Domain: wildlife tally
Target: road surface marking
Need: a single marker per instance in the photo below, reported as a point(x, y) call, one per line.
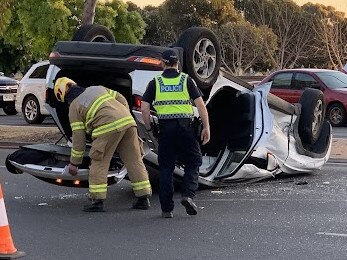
point(257, 199)
point(331, 234)
point(336, 163)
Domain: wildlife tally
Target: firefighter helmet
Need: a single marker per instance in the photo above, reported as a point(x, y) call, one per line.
point(61, 87)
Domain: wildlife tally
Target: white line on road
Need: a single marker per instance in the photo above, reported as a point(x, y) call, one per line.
point(331, 234)
point(258, 199)
point(336, 163)
point(2, 166)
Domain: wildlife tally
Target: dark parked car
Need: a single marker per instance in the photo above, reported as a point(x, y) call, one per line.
point(290, 84)
point(8, 91)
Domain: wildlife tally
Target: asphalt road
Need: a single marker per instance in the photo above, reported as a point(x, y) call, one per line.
point(20, 121)
point(338, 132)
point(275, 219)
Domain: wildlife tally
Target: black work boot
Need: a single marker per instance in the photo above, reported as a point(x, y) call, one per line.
point(167, 214)
point(142, 203)
point(94, 206)
point(190, 206)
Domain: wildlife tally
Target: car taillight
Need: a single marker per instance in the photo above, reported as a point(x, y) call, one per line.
point(137, 105)
point(136, 102)
point(54, 54)
point(147, 60)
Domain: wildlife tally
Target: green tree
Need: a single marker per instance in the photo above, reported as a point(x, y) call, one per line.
point(128, 25)
point(330, 29)
point(158, 27)
point(208, 13)
point(166, 22)
point(34, 26)
point(292, 25)
point(243, 46)
point(49, 25)
point(11, 59)
point(5, 14)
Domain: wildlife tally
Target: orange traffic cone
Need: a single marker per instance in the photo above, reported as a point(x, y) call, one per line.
point(7, 249)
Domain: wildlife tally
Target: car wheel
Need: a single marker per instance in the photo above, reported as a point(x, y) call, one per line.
point(93, 33)
point(336, 115)
point(10, 109)
point(10, 167)
point(31, 111)
point(312, 115)
point(201, 55)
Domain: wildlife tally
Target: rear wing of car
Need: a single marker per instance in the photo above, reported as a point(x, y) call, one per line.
point(122, 56)
point(273, 101)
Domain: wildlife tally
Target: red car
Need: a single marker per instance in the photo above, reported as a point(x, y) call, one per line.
point(289, 85)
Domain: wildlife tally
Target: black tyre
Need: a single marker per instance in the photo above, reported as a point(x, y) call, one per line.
point(201, 55)
point(312, 115)
point(10, 109)
point(336, 115)
point(93, 33)
point(10, 167)
point(31, 111)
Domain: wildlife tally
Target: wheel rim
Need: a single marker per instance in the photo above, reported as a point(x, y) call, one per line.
point(335, 115)
point(99, 38)
point(30, 110)
point(204, 58)
point(317, 117)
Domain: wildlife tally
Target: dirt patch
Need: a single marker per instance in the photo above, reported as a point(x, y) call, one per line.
point(339, 149)
point(30, 134)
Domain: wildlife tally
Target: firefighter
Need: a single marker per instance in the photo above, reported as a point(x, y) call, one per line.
point(171, 94)
point(105, 115)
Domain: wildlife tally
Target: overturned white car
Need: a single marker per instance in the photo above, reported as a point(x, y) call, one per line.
point(254, 134)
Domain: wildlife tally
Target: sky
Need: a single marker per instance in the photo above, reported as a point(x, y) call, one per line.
point(340, 5)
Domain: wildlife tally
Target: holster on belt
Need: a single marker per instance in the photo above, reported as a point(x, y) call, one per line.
point(155, 129)
point(197, 125)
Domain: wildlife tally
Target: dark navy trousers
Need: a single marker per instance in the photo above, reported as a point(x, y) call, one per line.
point(177, 142)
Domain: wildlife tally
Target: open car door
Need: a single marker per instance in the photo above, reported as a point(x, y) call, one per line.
point(244, 130)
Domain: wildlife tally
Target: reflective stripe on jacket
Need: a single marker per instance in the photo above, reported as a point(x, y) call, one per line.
point(96, 111)
point(172, 98)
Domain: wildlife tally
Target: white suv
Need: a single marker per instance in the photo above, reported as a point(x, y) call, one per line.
point(31, 94)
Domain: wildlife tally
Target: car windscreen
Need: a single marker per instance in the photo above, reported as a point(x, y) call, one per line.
point(334, 79)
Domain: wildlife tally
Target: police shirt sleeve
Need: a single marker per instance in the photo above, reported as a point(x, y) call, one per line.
point(149, 94)
point(193, 90)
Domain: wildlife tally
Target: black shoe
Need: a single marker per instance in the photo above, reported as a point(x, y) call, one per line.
point(142, 203)
point(190, 206)
point(167, 214)
point(95, 206)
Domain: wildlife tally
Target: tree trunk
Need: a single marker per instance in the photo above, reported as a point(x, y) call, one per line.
point(88, 12)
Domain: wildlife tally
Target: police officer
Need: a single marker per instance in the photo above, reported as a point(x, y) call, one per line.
point(171, 94)
point(105, 115)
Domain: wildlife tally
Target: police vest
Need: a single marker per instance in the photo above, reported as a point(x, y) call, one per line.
point(172, 98)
